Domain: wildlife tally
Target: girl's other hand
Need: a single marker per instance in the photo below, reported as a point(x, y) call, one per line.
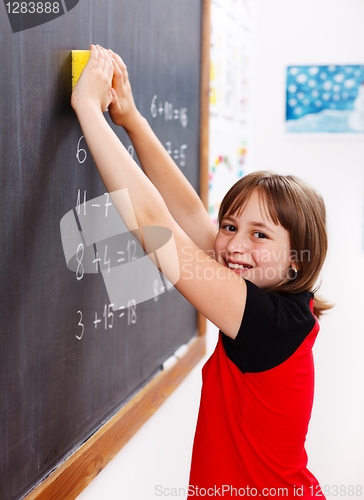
point(94, 87)
point(122, 109)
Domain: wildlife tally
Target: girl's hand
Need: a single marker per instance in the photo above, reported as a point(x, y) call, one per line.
point(122, 109)
point(94, 85)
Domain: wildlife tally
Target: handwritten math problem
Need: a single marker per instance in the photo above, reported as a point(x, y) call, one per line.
point(168, 111)
point(102, 245)
point(101, 255)
point(106, 320)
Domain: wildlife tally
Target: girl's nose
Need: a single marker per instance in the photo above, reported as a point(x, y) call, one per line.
point(238, 244)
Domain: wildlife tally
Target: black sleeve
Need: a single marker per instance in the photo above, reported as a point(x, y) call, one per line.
point(273, 326)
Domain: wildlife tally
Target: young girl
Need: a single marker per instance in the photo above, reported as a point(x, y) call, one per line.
point(258, 289)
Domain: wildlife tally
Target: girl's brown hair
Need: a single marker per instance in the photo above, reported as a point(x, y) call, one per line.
point(298, 208)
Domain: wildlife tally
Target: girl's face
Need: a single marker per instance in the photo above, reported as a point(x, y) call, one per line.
point(253, 246)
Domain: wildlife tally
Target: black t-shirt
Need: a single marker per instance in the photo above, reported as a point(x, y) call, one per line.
point(274, 325)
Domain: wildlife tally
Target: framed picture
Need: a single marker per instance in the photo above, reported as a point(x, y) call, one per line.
point(325, 99)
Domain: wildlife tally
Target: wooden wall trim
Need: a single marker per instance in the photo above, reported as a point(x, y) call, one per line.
point(205, 101)
point(204, 118)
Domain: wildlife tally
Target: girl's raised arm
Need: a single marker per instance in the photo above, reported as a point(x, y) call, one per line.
point(212, 288)
point(181, 199)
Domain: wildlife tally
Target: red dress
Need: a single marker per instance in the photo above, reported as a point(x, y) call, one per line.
point(256, 404)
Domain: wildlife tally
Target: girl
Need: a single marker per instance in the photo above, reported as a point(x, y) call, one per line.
point(268, 251)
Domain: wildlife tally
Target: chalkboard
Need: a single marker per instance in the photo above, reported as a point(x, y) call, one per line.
point(68, 361)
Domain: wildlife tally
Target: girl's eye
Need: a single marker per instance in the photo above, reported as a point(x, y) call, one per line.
point(259, 235)
point(229, 227)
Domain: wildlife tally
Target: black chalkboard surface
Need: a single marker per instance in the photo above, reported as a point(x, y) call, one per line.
point(67, 361)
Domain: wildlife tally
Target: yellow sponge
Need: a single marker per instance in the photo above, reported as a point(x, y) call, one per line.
point(79, 61)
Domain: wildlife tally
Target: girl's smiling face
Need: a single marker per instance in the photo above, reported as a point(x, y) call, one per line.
point(251, 245)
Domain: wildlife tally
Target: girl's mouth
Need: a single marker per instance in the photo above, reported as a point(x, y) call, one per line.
point(240, 267)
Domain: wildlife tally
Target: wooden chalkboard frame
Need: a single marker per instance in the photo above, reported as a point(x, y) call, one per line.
point(72, 476)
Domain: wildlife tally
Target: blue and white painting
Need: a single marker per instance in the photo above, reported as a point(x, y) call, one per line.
point(326, 99)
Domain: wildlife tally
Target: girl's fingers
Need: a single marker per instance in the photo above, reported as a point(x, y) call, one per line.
point(120, 63)
point(104, 62)
point(102, 59)
point(117, 71)
point(109, 66)
point(94, 55)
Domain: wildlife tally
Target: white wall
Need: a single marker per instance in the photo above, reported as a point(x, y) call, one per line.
point(306, 32)
point(286, 32)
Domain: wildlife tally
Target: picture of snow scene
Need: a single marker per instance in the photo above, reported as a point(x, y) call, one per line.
point(325, 99)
